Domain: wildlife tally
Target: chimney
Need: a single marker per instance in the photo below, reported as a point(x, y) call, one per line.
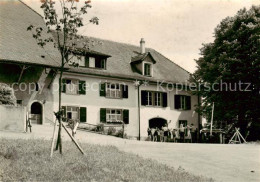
point(142, 46)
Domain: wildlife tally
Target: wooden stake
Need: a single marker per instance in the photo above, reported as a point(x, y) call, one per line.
point(53, 138)
point(72, 138)
point(211, 123)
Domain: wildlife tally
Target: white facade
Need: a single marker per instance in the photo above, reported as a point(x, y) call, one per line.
point(93, 102)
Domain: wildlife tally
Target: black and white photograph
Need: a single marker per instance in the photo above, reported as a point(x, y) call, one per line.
point(130, 90)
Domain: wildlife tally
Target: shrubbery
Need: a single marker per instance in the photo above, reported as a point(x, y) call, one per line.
point(7, 96)
point(111, 131)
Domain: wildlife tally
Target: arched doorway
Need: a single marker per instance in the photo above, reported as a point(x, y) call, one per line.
point(36, 113)
point(157, 122)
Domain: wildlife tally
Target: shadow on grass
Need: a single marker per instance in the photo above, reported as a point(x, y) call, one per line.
point(28, 160)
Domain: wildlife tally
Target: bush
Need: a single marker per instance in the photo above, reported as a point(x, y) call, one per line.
point(111, 131)
point(120, 133)
point(100, 128)
point(7, 96)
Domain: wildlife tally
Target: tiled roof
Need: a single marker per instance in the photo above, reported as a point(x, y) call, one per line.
point(119, 64)
point(141, 57)
point(17, 44)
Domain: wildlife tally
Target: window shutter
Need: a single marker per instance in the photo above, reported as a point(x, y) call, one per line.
point(83, 114)
point(125, 91)
point(63, 108)
point(188, 102)
point(103, 115)
point(177, 101)
point(126, 116)
point(87, 61)
point(165, 100)
point(102, 91)
point(143, 98)
point(63, 90)
point(82, 87)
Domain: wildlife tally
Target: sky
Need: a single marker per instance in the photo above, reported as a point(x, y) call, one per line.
point(175, 28)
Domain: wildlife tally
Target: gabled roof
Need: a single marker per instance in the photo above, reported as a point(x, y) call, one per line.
point(16, 43)
point(119, 64)
point(142, 57)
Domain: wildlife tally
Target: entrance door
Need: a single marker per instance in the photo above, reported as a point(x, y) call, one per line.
point(36, 113)
point(157, 122)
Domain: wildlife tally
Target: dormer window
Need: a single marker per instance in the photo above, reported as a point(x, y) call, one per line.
point(76, 59)
point(147, 69)
point(91, 62)
point(96, 62)
point(90, 59)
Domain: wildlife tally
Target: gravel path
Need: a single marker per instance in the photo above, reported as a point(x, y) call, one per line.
point(231, 163)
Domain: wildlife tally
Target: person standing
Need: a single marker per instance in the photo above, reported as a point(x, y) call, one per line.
point(181, 131)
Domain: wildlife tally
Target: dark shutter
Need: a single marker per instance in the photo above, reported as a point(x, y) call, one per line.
point(83, 114)
point(126, 116)
point(63, 86)
point(165, 100)
point(64, 115)
point(143, 98)
point(82, 87)
point(125, 91)
point(188, 102)
point(87, 61)
point(177, 101)
point(102, 91)
point(103, 115)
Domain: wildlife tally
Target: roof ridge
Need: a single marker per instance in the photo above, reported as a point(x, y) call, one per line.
point(31, 8)
point(171, 61)
point(118, 42)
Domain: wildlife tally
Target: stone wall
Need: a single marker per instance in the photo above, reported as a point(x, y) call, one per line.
point(12, 118)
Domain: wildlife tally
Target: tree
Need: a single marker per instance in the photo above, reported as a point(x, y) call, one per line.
point(7, 96)
point(66, 25)
point(228, 72)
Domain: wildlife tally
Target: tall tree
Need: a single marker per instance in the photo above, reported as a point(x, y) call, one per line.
point(228, 72)
point(64, 17)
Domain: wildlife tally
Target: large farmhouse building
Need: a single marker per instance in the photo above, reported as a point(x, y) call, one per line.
point(113, 82)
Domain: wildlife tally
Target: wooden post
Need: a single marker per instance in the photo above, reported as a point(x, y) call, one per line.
point(72, 138)
point(211, 123)
point(53, 138)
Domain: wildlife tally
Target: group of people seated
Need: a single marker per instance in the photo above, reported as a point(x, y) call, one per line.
point(181, 134)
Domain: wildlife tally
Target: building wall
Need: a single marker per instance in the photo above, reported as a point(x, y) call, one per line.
point(93, 102)
point(12, 118)
point(169, 113)
point(25, 90)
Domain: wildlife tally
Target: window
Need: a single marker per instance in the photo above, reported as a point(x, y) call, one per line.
point(157, 99)
point(113, 90)
point(151, 98)
point(114, 115)
point(73, 86)
point(19, 102)
point(76, 59)
point(100, 63)
point(147, 69)
point(118, 116)
point(92, 62)
point(182, 102)
point(72, 112)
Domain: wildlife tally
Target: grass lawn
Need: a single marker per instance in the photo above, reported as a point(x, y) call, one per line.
point(28, 160)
